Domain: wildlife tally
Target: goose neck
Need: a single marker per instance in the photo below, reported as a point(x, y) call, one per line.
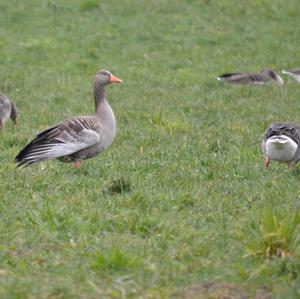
point(99, 95)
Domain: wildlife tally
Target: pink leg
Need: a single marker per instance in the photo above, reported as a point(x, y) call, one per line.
point(267, 162)
point(77, 164)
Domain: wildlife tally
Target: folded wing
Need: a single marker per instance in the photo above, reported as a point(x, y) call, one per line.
point(64, 139)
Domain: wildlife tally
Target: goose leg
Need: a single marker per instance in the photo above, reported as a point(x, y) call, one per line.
point(289, 164)
point(77, 164)
point(267, 162)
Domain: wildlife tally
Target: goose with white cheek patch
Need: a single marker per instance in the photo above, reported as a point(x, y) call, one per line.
point(281, 143)
point(295, 74)
point(77, 138)
point(262, 78)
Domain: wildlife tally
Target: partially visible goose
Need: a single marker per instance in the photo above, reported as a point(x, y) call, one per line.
point(77, 138)
point(295, 74)
point(252, 78)
point(7, 110)
point(281, 143)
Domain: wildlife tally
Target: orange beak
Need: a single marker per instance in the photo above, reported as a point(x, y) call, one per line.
point(114, 79)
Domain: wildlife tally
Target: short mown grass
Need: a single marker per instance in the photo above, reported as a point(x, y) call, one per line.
point(180, 205)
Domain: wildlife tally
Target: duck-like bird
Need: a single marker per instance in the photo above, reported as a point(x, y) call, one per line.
point(295, 74)
point(7, 110)
point(262, 78)
point(77, 138)
point(281, 143)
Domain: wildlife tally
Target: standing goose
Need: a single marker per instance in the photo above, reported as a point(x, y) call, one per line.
point(7, 110)
point(251, 78)
point(77, 138)
point(281, 143)
point(295, 74)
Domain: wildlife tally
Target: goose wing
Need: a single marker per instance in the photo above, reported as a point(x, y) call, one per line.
point(61, 140)
point(291, 130)
point(240, 78)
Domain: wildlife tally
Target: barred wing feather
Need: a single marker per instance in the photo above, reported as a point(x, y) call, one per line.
point(61, 140)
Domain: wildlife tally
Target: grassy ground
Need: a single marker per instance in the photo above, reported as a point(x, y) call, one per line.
point(180, 205)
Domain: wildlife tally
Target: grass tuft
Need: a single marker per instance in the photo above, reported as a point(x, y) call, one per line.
point(169, 126)
point(117, 186)
point(115, 260)
point(89, 5)
point(275, 234)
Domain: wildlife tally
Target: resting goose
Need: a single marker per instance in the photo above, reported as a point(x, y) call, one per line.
point(295, 74)
point(281, 143)
point(7, 110)
point(77, 138)
point(251, 78)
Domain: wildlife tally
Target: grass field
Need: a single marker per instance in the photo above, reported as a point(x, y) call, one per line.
point(180, 206)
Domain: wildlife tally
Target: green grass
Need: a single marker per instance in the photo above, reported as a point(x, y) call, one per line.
point(176, 207)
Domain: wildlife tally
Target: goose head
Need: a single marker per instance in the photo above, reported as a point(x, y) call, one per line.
point(106, 77)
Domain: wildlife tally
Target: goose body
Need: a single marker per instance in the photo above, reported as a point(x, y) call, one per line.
point(281, 143)
point(252, 78)
point(7, 110)
point(295, 74)
point(77, 138)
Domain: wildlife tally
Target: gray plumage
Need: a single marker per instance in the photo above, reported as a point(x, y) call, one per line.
point(294, 73)
point(7, 110)
point(77, 138)
point(262, 78)
point(285, 140)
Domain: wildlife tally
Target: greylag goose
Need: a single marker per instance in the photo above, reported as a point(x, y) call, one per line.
point(7, 110)
point(251, 78)
point(295, 74)
point(77, 138)
point(281, 143)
